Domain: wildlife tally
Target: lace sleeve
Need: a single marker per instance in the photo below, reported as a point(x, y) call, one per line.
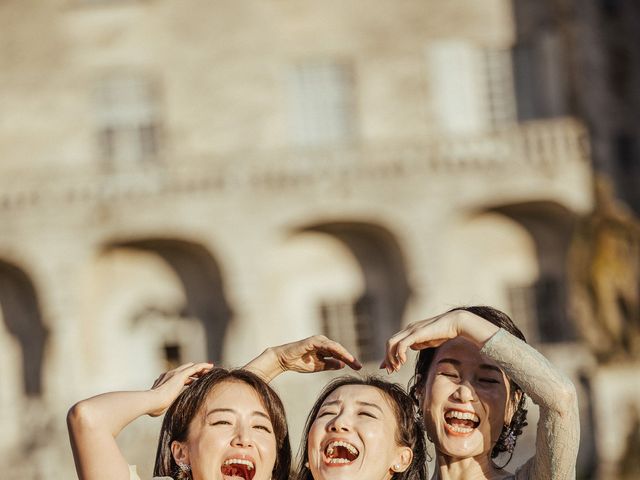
point(558, 431)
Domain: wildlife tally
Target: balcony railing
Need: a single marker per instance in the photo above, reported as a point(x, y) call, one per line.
point(540, 147)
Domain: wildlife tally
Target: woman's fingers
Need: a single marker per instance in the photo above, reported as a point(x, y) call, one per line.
point(428, 333)
point(328, 348)
point(195, 371)
point(391, 357)
point(184, 374)
point(315, 354)
point(331, 364)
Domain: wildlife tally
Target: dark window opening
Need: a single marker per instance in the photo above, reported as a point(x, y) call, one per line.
point(550, 312)
point(172, 355)
point(628, 170)
point(352, 325)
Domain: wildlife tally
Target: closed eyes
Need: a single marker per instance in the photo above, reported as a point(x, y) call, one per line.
point(220, 422)
point(262, 427)
point(364, 413)
point(489, 380)
point(266, 428)
point(325, 413)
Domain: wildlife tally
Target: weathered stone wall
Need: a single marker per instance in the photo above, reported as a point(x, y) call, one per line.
point(230, 227)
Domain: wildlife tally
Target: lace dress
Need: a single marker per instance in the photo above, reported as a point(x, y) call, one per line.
point(558, 432)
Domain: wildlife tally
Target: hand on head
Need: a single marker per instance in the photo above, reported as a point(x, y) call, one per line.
point(435, 331)
point(170, 384)
point(429, 333)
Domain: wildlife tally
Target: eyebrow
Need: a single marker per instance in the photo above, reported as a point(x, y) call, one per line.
point(231, 410)
point(458, 363)
point(359, 402)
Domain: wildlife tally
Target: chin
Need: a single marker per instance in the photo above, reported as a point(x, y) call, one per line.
point(461, 446)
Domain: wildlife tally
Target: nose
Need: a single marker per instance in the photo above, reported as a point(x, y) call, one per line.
point(340, 423)
point(242, 436)
point(464, 393)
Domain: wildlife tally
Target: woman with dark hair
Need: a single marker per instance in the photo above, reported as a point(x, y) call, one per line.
point(218, 423)
point(471, 378)
point(359, 428)
point(225, 424)
point(363, 428)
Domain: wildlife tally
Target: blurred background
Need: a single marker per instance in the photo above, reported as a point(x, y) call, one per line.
point(199, 179)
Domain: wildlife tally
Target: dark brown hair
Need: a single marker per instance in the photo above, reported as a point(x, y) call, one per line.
point(409, 428)
point(175, 426)
point(423, 364)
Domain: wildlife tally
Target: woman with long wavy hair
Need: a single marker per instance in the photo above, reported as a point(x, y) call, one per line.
point(471, 378)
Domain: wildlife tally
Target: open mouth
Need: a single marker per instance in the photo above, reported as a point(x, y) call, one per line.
point(340, 452)
point(461, 422)
point(238, 469)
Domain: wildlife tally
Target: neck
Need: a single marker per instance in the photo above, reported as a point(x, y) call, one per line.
point(471, 468)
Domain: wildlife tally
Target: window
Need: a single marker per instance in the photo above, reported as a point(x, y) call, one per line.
point(540, 309)
point(338, 323)
point(351, 324)
point(471, 87)
point(541, 76)
point(522, 309)
point(499, 87)
point(322, 103)
point(627, 168)
point(172, 355)
point(127, 121)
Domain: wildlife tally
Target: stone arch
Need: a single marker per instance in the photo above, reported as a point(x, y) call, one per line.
point(380, 309)
point(551, 226)
point(23, 319)
point(202, 279)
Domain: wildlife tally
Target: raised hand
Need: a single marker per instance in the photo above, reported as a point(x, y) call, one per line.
point(313, 354)
point(433, 332)
point(169, 385)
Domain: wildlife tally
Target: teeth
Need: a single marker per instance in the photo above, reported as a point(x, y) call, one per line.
point(462, 415)
point(235, 461)
point(459, 429)
point(339, 460)
point(346, 445)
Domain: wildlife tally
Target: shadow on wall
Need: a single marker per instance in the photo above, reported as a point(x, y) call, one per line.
point(203, 285)
point(21, 313)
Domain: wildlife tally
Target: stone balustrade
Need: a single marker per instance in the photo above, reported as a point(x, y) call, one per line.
point(541, 147)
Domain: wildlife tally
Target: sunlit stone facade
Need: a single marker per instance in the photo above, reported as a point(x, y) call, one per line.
point(198, 180)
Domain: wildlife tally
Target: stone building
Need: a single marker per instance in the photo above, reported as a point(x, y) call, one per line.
point(583, 59)
point(201, 179)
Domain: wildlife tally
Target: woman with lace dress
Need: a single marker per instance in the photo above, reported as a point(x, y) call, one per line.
point(471, 378)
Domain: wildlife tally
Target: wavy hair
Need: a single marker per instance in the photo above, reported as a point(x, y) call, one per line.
point(517, 397)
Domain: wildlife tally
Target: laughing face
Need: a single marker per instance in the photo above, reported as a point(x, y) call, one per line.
point(353, 437)
point(465, 400)
point(231, 438)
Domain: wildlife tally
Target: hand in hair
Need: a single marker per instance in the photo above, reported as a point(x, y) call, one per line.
point(433, 332)
point(170, 384)
point(95, 422)
point(313, 354)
